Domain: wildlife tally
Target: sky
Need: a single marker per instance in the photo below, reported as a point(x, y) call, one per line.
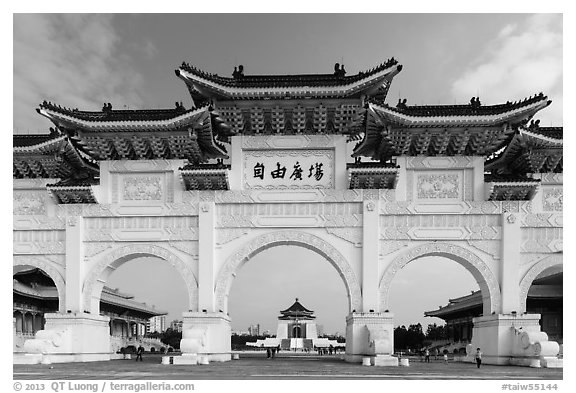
point(83, 60)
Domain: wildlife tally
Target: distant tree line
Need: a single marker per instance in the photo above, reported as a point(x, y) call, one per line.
point(169, 337)
point(414, 338)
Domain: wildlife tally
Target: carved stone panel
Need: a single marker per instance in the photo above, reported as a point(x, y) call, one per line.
point(29, 202)
point(142, 188)
point(552, 199)
point(438, 185)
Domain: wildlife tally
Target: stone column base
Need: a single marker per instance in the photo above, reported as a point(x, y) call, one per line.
point(506, 339)
point(370, 335)
point(206, 335)
point(74, 337)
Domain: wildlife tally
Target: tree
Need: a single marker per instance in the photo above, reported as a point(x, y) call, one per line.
point(435, 332)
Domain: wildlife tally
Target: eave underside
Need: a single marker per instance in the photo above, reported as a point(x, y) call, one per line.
point(528, 152)
point(188, 136)
point(390, 132)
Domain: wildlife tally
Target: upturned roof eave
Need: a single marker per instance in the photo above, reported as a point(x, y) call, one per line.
point(343, 90)
point(68, 119)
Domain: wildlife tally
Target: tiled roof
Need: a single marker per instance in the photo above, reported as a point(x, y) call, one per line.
point(466, 110)
point(32, 140)
point(301, 80)
point(511, 178)
point(118, 115)
point(474, 300)
point(297, 307)
point(549, 132)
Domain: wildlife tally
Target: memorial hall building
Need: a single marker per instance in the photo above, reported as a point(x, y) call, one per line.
point(320, 161)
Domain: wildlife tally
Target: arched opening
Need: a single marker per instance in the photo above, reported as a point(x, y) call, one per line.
point(292, 238)
point(541, 292)
point(434, 301)
point(296, 332)
point(34, 294)
point(444, 265)
point(143, 290)
point(261, 301)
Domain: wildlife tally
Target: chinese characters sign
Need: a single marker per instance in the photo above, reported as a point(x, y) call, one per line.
point(292, 169)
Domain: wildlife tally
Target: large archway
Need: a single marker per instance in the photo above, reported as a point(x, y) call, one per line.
point(99, 274)
point(302, 239)
point(485, 278)
point(54, 271)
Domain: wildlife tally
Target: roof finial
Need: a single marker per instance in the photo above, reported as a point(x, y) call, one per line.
point(296, 299)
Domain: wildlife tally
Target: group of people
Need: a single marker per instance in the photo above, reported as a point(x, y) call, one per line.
point(436, 353)
point(477, 356)
point(271, 352)
point(326, 351)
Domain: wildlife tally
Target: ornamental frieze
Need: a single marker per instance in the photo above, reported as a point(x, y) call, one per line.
point(424, 162)
point(46, 235)
point(288, 209)
point(440, 233)
point(37, 222)
point(287, 141)
point(140, 166)
point(441, 220)
point(542, 240)
point(261, 221)
point(459, 207)
point(40, 248)
point(542, 220)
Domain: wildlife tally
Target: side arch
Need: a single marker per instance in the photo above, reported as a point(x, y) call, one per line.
point(55, 272)
point(99, 274)
point(490, 289)
point(303, 239)
point(554, 260)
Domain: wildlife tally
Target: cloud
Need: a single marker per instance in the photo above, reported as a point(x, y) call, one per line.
point(72, 59)
point(523, 59)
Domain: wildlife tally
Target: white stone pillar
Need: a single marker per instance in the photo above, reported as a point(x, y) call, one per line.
point(370, 335)
point(236, 170)
point(340, 159)
point(401, 184)
point(509, 263)
point(74, 264)
point(478, 178)
point(370, 245)
point(206, 231)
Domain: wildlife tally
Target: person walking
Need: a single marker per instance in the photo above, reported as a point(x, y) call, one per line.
point(268, 353)
point(446, 357)
point(478, 357)
point(139, 353)
point(427, 356)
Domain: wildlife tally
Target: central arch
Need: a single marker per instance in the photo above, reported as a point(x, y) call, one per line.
point(489, 287)
point(99, 274)
point(303, 239)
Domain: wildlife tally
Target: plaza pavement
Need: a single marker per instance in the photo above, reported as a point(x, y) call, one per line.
point(256, 366)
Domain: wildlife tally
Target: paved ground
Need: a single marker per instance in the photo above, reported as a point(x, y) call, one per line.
point(256, 366)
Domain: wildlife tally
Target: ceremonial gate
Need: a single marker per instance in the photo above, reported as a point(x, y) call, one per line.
point(262, 161)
